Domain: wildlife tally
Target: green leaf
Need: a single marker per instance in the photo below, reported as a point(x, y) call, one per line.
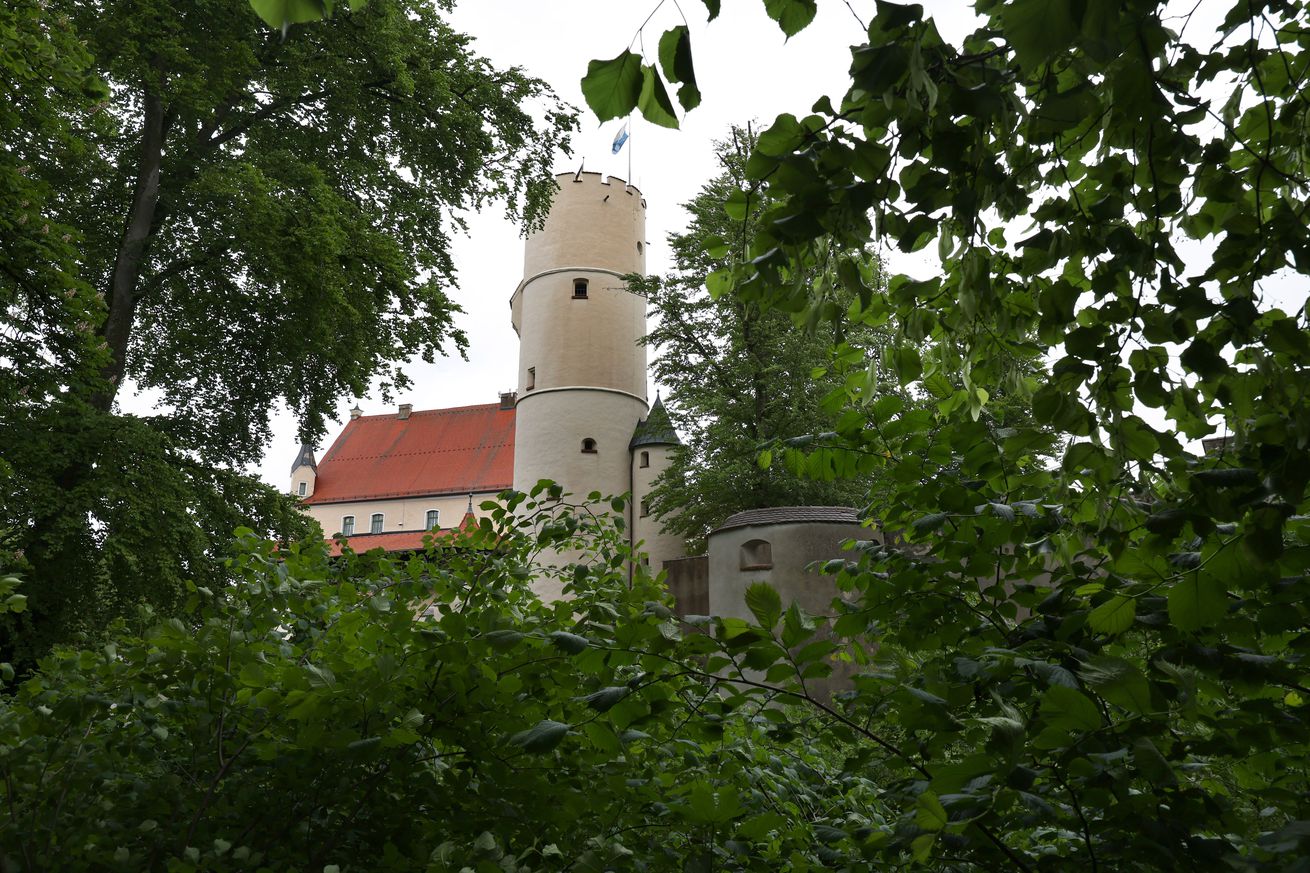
point(1115, 615)
point(764, 603)
point(541, 737)
point(792, 16)
point(1118, 681)
point(605, 698)
point(602, 737)
point(1067, 708)
point(1038, 29)
point(676, 62)
point(320, 676)
point(929, 814)
point(612, 88)
point(653, 100)
point(1198, 601)
point(569, 643)
point(785, 135)
point(500, 640)
point(277, 14)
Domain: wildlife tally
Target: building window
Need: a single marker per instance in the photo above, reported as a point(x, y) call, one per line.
point(579, 289)
point(645, 508)
point(376, 525)
point(589, 446)
point(645, 459)
point(532, 379)
point(433, 516)
point(756, 555)
point(348, 525)
point(638, 246)
point(301, 490)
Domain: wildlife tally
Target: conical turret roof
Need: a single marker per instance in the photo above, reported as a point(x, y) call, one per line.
point(305, 458)
point(655, 429)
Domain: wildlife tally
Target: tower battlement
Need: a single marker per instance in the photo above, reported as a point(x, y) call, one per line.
point(588, 177)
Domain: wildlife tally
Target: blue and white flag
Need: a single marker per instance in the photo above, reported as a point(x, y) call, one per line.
point(620, 139)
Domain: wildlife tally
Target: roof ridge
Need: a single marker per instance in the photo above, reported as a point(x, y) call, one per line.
point(391, 415)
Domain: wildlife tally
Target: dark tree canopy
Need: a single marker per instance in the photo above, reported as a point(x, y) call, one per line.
point(741, 377)
point(228, 219)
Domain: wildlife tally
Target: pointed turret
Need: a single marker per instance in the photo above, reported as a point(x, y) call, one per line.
point(304, 470)
point(656, 429)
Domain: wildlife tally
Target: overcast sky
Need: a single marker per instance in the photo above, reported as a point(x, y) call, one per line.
point(747, 71)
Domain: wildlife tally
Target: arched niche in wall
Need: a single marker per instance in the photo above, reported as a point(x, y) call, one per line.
point(756, 555)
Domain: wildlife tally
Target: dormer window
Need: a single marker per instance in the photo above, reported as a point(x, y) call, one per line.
point(589, 446)
point(579, 289)
point(301, 490)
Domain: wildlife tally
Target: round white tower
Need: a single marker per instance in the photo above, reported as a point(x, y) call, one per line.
point(582, 370)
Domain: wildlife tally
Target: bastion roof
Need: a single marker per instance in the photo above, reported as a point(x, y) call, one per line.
point(435, 451)
point(792, 515)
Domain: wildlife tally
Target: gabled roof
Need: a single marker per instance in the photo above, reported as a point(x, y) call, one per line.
point(435, 451)
point(655, 429)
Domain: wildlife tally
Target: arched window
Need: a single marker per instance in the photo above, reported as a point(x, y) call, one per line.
point(376, 525)
point(589, 446)
point(301, 489)
point(347, 525)
point(432, 519)
point(579, 289)
point(645, 459)
point(638, 246)
point(756, 555)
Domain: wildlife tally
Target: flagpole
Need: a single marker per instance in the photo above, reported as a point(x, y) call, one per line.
point(631, 181)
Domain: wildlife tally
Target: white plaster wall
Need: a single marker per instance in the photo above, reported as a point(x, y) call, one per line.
point(794, 545)
point(593, 222)
point(550, 427)
point(304, 474)
point(405, 514)
point(659, 547)
point(581, 341)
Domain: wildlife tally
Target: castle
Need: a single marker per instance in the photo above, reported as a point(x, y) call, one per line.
point(580, 413)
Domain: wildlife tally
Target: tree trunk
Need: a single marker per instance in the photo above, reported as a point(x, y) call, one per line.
point(132, 251)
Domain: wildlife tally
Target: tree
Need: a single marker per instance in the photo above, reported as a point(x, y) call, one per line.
point(371, 713)
point(241, 218)
point(1098, 666)
point(742, 378)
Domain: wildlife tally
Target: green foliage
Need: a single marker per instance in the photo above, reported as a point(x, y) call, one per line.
point(745, 385)
point(369, 713)
point(1099, 665)
point(230, 219)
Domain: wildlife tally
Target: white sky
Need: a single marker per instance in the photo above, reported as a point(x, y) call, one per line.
point(746, 70)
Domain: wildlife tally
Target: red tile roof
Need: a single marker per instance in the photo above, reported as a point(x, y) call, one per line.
point(435, 451)
point(401, 541)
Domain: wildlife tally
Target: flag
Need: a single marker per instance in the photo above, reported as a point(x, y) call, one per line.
point(620, 139)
